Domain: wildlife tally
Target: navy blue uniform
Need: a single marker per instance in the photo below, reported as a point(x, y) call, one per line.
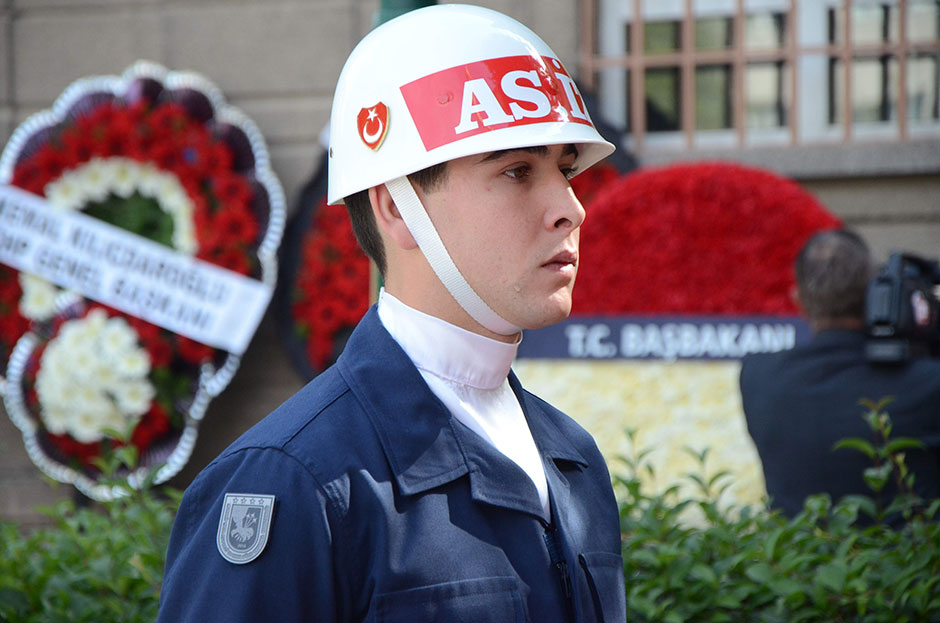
point(799, 403)
point(389, 509)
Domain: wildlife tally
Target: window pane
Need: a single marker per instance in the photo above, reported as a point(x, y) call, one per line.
point(660, 37)
point(766, 94)
point(713, 33)
point(662, 99)
point(923, 21)
point(874, 89)
point(764, 31)
point(713, 97)
point(836, 90)
point(628, 121)
point(923, 87)
point(870, 25)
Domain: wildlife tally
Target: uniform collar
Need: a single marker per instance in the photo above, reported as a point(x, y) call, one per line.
point(426, 447)
point(446, 350)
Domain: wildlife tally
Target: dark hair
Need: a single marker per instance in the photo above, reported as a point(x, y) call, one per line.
point(363, 221)
point(832, 273)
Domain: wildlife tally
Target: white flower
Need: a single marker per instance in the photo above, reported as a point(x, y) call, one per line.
point(56, 419)
point(88, 426)
point(184, 237)
point(38, 300)
point(93, 377)
point(65, 192)
point(117, 336)
point(95, 180)
point(134, 363)
point(95, 321)
point(134, 397)
point(106, 375)
point(125, 176)
point(84, 362)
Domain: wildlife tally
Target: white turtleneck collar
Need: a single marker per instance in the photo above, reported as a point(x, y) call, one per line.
point(446, 350)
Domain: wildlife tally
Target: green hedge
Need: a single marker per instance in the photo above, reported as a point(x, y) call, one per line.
point(97, 564)
point(741, 565)
point(104, 563)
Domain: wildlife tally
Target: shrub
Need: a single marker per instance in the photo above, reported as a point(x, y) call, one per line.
point(97, 563)
point(742, 565)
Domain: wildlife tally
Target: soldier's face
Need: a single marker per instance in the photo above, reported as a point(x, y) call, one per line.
point(512, 225)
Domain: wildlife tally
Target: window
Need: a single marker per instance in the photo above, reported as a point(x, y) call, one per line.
point(693, 73)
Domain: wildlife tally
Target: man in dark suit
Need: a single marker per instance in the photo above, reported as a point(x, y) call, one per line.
point(799, 403)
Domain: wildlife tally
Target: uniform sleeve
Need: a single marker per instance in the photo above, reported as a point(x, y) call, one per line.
point(293, 577)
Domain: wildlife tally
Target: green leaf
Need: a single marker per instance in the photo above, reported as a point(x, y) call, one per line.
point(877, 477)
point(856, 443)
point(864, 503)
point(832, 575)
point(673, 617)
point(760, 572)
point(904, 443)
point(786, 587)
point(704, 573)
point(770, 546)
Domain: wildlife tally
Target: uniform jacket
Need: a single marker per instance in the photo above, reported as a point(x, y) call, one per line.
point(387, 509)
point(799, 403)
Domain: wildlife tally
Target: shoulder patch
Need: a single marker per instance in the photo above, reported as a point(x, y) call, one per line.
point(244, 526)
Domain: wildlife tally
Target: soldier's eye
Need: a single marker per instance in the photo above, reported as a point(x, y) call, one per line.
point(519, 172)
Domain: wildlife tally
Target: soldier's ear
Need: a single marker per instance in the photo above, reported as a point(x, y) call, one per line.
point(389, 219)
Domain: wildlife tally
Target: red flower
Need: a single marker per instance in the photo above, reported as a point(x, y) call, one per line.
point(84, 452)
point(231, 189)
point(231, 258)
point(161, 352)
point(332, 284)
point(193, 351)
point(153, 425)
point(237, 224)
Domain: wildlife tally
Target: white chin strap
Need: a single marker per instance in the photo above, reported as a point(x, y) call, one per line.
point(420, 226)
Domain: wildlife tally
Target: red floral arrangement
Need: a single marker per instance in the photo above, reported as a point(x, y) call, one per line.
point(331, 290)
point(695, 239)
point(158, 162)
point(167, 135)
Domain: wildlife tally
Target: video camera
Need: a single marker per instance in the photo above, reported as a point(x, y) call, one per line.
point(902, 312)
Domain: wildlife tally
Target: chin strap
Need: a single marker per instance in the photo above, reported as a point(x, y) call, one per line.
point(421, 227)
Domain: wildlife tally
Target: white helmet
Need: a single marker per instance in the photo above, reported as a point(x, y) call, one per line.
point(440, 83)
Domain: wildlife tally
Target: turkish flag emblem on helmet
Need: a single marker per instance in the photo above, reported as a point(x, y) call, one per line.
point(373, 125)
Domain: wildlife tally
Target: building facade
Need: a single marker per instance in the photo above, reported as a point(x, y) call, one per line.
point(841, 95)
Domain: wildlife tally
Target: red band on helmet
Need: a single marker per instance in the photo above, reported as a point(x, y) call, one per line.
point(466, 100)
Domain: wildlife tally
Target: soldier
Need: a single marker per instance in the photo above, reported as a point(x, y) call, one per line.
point(416, 480)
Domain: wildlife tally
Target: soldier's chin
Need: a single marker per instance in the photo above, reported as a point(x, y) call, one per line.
point(549, 316)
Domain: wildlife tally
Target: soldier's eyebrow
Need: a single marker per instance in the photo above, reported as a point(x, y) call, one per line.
point(538, 150)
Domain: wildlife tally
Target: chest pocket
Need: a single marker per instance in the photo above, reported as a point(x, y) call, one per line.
point(604, 574)
point(482, 600)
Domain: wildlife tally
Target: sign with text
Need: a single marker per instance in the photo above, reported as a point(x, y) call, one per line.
point(666, 338)
point(183, 294)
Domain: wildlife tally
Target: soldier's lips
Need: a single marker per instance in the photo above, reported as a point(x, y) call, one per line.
point(563, 261)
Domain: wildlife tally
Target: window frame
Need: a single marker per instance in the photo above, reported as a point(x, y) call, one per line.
point(635, 62)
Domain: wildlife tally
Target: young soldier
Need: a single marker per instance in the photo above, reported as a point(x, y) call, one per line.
point(416, 480)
